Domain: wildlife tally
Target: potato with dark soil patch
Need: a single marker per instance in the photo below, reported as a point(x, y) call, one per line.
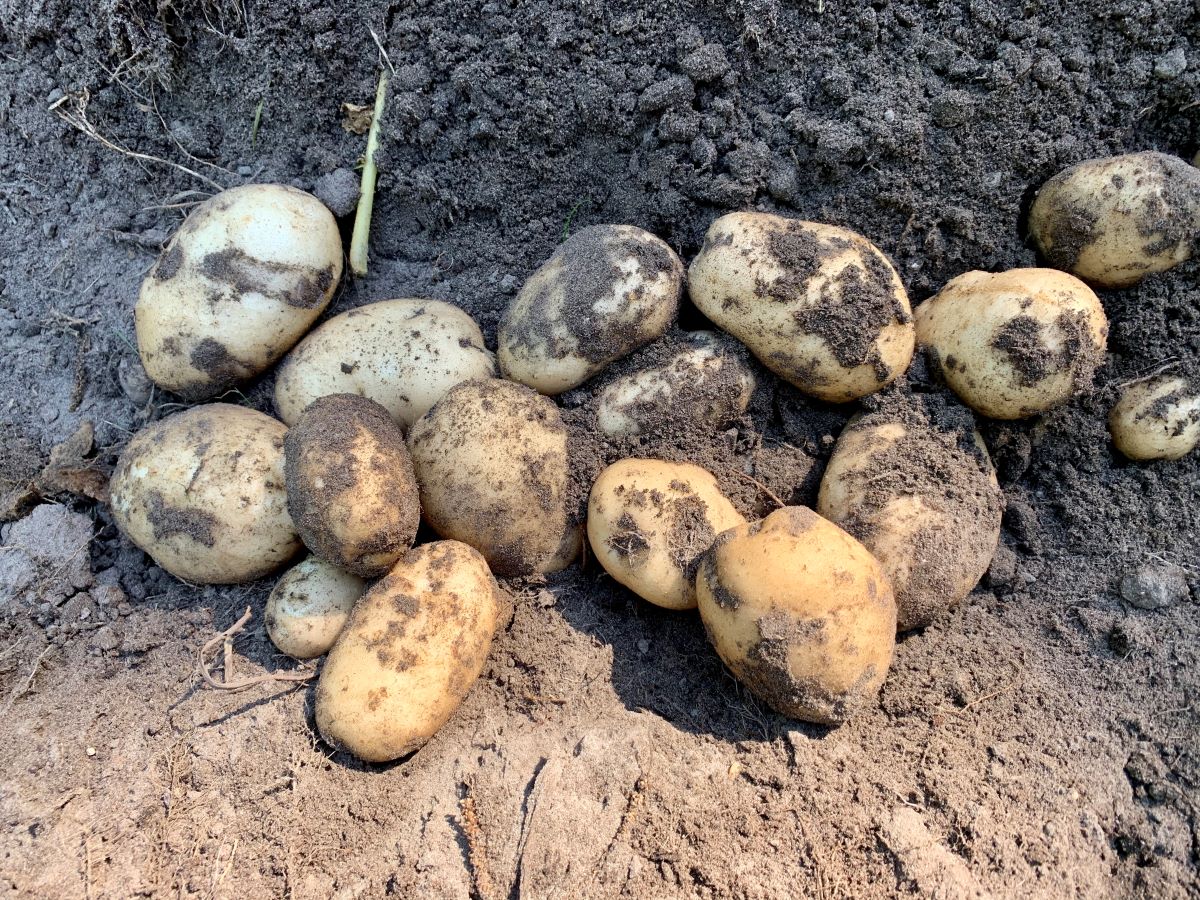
point(1158, 418)
point(308, 607)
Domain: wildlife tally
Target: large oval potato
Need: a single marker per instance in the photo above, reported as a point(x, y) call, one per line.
point(491, 461)
point(240, 282)
point(800, 612)
point(1016, 343)
point(820, 306)
point(202, 492)
point(607, 290)
point(403, 354)
point(309, 606)
point(414, 645)
point(350, 484)
point(1158, 418)
point(1115, 220)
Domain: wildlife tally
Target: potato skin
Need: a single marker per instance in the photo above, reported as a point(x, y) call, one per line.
point(414, 645)
point(350, 484)
point(403, 354)
point(1158, 418)
point(202, 492)
point(1017, 343)
point(820, 306)
point(800, 612)
point(240, 282)
point(1115, 220)
point(308, 607)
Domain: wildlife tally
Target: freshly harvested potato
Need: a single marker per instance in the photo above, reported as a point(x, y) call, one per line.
point(1115, 220)
point(914, 483)
point(240, 282)
point(491, 460)
point(1158, 418)
point(1016, 343)
point(800, 612)
point(403, 354)
point(308, 607)
point(350, 484)
point(202, 492)
point(650, 521)
point(606, 291)
point(414, 645)
point(819, 306)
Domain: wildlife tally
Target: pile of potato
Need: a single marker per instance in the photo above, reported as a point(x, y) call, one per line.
point(396, 413)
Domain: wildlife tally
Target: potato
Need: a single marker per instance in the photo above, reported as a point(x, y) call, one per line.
point(414, 645)
point(240, 282)
point(914, 483)
point(308, 607)
point(1016, 343)
point(1113, 221)
point(491, 460)
point(800, 612)
point(605, 292)
point(650, 521)
point(403, 354)
point(1158, 418)
point(705, 382)
point(350, 484)
point(820, 306)
point(202, 492)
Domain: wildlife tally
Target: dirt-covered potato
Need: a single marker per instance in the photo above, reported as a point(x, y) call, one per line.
point(350, 485)
point(819, 306)
point(1158, 418)
point(606, 291)
point(414, 645)
point(403, 354)
point(308, 607)
point(202, 492)
point(491, 461)
point(650, 521)
point(1115, 220)
point(801, 613)
point(913, 482)
point(1016, 343)
point(240, 282)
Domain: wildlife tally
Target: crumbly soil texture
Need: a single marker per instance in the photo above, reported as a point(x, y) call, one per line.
point(1039, 741)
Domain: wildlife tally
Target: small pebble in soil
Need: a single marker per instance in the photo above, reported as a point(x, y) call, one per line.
point(1154, 586)
point(339, 191)
point(1171, 64)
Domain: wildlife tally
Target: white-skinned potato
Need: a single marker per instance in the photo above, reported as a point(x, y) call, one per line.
point(202, 492)
point(1158, 418)
point(308, 607)
point(1016, 343)
point(820, 306)
point(240, 282)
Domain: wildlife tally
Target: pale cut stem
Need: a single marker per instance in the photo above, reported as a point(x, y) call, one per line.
point(366, 201)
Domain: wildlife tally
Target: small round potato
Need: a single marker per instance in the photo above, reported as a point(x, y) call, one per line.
point(491, 460)
point(820, 306)
point(606, 291)
point(800, 612)
point(1158, 418)
point(650, 521)
point(1115, 220)
point(1016, 343)
point(403, 354)
point(308, 607)
point(240, 282)
point(202, 492)
point(414, 645)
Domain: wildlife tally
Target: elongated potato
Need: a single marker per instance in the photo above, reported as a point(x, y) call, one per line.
point(309, 606)
point(1158, 418)
point(414, 645)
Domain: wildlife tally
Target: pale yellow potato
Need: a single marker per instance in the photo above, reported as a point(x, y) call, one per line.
point(1016, 343)
point(414, 645)
point(800, 612)
point(650, 521)
point(202, 492)
point(1115, 220)
point(240, 282)
point(491, 461)
point(1158, 418)
point(350, 484)
point(820, 306)
point(606, 291)
point(403, 354)
point(308, 607)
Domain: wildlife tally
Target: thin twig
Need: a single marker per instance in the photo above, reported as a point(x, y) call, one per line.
point(762, 487)
point(237, 684)
point(1167, 364)
point(383, 55)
